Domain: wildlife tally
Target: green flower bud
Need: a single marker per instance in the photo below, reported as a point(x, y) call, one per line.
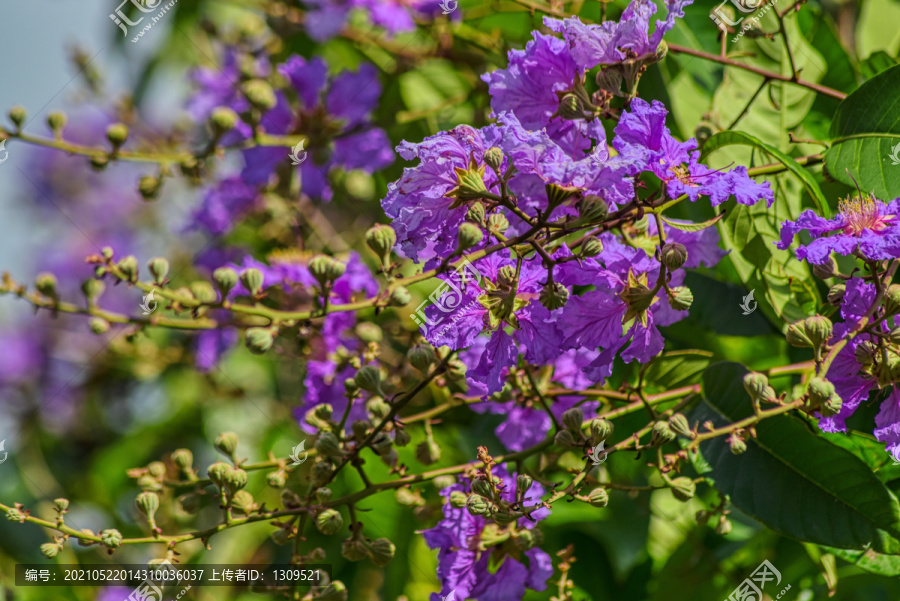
point(111, 537)
point(329, 521)
point(601, 429)
point(382, 444)
point(148, 503)
point(402, 438)
point(129, 267)
point(832, 406)
point(259, 340)
point(149, 186)
point(826, 270)
point(836, 295)
point(369, 332)
point(354, 550)
point(506, 276)
point(483, 488)
point(243, 502)
point(478, 505)
point(378, 409)
point(222, 120)
point(18, 115)
point(476, 213)
point(493, 157)
point(252, 279)
point(225, 279)
point(591, 247)
point(592, 208)
point(400, 297)
point(811, 332)
point(382, 552)
point(281, 536)
point(456, 370)
point(524, 539)
point(92, 289)
point(276, 479)
point(458, 499)
point(99, 162)
point(681, 299)
point(157, 469)
point(328, 445)
point(326, 269)
point(117, 134)
point(662, 434)
point(46, 284)
point(523, 483)
point(235, 480)
point(497, 223)
point(683, 488)
point(421, 357)
point(204, 292)
point(469, 235)
point(755, 384)
point(564, 439)
point(260, 94)
point(865, 353)
point(554, 296)
point(336, 591)
point(49, 550)
point(57, 122)
point(360, 429)
point(381, 239)
point(673, 255)
point(368, 378)
point(572, 419)
point(321, 473)
point(702, 517)
point(680, 425)
point(571, 107)
point(159, 269)
point(819, 391)
point(323, 495)
point(217, 472)
point(506, 515)
point(736, 444)
point(598, 497)
point(892, 300)
point(428, 452)
point(62, 505)
point(724, 526)
point(15, 515)
point(150, 483)
point(227, 442)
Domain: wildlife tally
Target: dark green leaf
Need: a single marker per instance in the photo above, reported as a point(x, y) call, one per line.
point(866, 130)
point(790, 479)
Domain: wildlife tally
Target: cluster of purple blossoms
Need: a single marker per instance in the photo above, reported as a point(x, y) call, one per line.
point(553, 160)
point(332, 112)
point(466, 549)
point(869, 229)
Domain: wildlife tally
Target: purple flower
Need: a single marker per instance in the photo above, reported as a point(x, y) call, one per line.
point(212, 344)
point(418, 202)
point(617, 41)
point(864, 225)
point(324, 383)
point(642, 132)
point(465, 552)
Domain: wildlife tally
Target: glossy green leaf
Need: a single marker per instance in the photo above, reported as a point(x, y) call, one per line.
point(790, 479)
point(866, 132)
point(677, 368)
point(694, 227)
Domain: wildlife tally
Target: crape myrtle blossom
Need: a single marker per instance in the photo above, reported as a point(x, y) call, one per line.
point(465, 549)
point(327, 18)
point(864, 225)
point(642, 132)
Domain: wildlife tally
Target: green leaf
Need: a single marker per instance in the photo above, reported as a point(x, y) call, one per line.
point(865, 130)
point(694, 227)
point(677, 368)
point(791, 480)
point(870, 561)
point(728, 138)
